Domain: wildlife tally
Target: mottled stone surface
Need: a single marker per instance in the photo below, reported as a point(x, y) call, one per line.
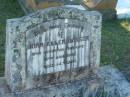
point(80, 88)
point(114, 81)
point(3, 87)
point(73, 35)
point(108, 83)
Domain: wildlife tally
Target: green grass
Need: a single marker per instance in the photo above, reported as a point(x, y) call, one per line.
point(116, 43)
point(115, 37)
point(8, 9)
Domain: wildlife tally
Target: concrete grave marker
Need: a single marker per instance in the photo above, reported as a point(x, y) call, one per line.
point(52, 46)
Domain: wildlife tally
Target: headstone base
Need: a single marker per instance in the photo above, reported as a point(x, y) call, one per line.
point(109, 82)
point(79, 88)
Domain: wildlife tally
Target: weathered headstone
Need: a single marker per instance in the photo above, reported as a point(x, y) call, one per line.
point(52, 46)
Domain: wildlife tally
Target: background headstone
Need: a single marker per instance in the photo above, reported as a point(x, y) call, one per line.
point(101, 4)
point(52, 46)
point(106, 7)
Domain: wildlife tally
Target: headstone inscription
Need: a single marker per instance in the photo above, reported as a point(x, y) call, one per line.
point(57, 45)
point(52, 46)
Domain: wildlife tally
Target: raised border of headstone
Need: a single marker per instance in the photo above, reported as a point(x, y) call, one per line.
point(16, 65)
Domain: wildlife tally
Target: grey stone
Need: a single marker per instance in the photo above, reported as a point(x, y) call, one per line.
point(3, 86)
point(52, 46)
point(109, 82)
point(114, 81)
point(106, 7)
point(79, 88)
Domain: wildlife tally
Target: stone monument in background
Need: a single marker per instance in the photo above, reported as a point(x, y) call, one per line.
point(32, 5)
point(106, 7)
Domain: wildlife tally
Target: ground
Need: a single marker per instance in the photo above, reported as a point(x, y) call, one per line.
point(115, 38)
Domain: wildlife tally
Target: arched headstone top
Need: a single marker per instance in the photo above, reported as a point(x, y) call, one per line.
point(53, 13)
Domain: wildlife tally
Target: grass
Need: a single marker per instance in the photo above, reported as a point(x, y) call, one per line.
point(115, 37)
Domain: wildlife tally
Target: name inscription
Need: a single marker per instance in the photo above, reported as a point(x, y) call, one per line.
point(55, 50)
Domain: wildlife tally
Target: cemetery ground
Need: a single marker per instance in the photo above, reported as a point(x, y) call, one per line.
point(115, 38)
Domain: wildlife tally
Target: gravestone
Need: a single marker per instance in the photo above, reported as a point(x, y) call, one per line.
point(52, 46)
